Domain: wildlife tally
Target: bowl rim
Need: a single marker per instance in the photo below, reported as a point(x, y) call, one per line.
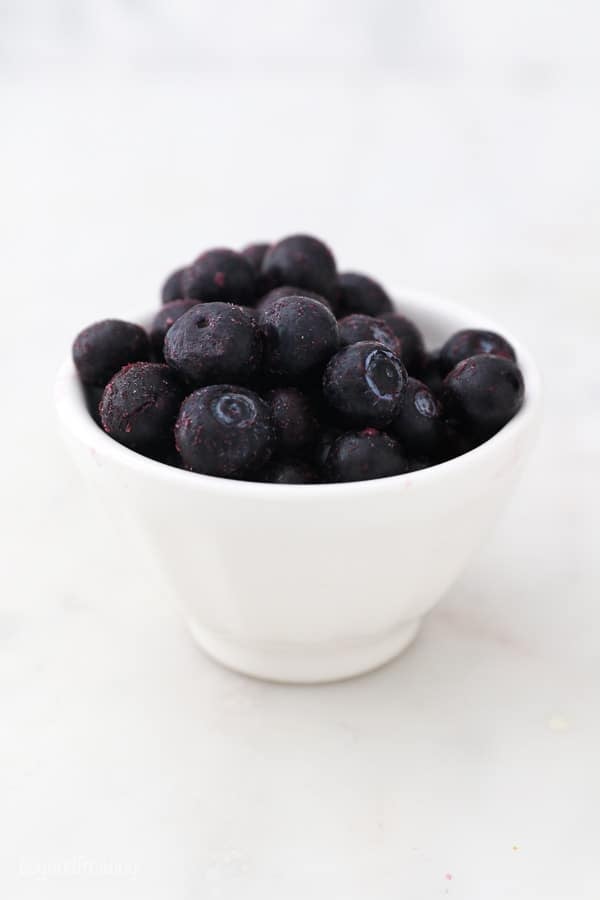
point(75, 418)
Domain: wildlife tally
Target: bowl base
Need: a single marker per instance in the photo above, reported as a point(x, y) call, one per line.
point(306, 663)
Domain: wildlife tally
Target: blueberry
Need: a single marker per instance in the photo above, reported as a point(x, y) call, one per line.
point(220, 274)
point(255, 253)
point(286, 290)
point(294, 423)
point(224, 430)
point(482, 393)
point(412, 346)
point(473, 342)
point(302, 261)
point(358, 327)
point(363, 455)
point(289, 471)
point(300, 336)
point(172, 289)
point(102, 349)
point(214, 343)
point(430, 373)
point(361, 294)
point(420, 425)
point(163, 320)
point(139, 407)
point(325, 441)
point(365, 384)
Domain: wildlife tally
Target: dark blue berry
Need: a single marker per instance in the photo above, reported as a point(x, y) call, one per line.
point(358, 327)
point(102, 349)
point(365, 384)
point(255, 253)
point(139, 407)
point(360, 294)
point(290, 471)
point(363, 455)
point(430, 373)
point(214, 343)
point(325, 440)
point(163, 320)
point(302, 261)
point(172, 289)
point(220, 274)
point(286, 290)
point(482, 393)
point(300, 336)
point(420, 425)
point(473, 342)
point(224, 430)
point(294, 423)
point(412, 346)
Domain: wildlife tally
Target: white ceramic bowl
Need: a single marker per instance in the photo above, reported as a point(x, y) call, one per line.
point(309, 583)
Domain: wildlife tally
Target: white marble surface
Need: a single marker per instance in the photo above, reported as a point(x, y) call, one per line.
point(467, 162)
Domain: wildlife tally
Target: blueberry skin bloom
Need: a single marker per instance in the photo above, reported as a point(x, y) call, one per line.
point(219, 274)
point(482, 393)
point(300, 336)
point(364, 455)
point(103, 348)
point(420, 425)
point(473, 342)
point(224, 430)
point(214, 343)
point(286, 290)
point(139, 407)
point(358, 327)
point(360, 294)
point(365, 384)
point(302, 261)
point(412, 345)
point(164, 318)
point(172, 289)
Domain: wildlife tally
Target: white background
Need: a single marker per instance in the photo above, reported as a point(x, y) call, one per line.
point(451, 146)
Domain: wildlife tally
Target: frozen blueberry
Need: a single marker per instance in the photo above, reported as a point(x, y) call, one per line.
point(172, 289)
point(363, 455)
point(214, 343)
point(482, 393)
point(365, 384)
point(294, 423)
point(430, 373)
point(361, 294)
point(224, 430)
point(300, 336)
point(102, 349)
point(255, 253)
point(420, 425)
point(289, 471)
point(325, 441)
point(220, 274)
point(412, 347)
point(473, 342)
point(163, 320)
point(358, 327)
point(286, 290)
point(302, 261)
point(139, 407)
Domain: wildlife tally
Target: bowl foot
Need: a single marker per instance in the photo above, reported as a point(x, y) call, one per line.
point(306, 663)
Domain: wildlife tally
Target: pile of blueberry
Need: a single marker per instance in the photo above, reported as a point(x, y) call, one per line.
point(267, 365)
